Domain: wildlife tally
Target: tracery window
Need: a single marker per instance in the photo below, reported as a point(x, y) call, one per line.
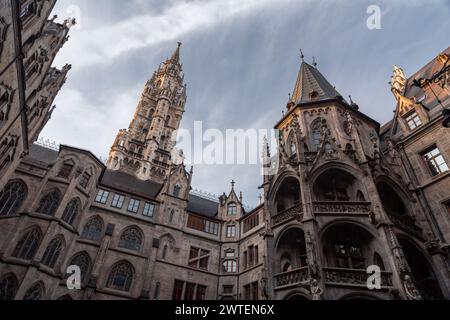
point(84, 180)
point(66, 170)
point(93, 229)
point(28, 245)
point(121, 277)
point(317, 132)
point(11, 198)
point(83, 261)
point(8, 287)
point(50, 203)
point(349, 256)
point(36, 292)
point(71, 211)
point(52, 252)
point(176, 191)
point(131, 239)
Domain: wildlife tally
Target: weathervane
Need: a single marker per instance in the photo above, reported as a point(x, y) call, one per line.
point(302, 56)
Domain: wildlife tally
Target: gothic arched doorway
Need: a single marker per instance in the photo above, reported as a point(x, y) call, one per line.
point(422, 273)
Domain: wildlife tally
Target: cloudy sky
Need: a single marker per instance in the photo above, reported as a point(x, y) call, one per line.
point(241, 59)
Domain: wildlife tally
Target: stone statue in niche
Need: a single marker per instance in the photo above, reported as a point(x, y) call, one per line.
point(395, 162)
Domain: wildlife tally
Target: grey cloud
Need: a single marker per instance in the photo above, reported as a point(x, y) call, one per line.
point(239, 70)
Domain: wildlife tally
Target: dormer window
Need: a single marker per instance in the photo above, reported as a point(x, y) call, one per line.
point(232, 209)
point(313, 94)
point(413, 121)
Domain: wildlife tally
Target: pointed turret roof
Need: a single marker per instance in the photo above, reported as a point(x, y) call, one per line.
point(176, 54)
point(311, 86)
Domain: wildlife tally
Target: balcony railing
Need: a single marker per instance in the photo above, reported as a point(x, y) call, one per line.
point(290, 278)
point(342, 207)
point(295, 212)
point(353, 277)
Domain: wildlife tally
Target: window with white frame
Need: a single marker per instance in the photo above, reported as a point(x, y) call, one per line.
point(118, 201)
point(231, 231)
point(149, 210)
point(232, 209)
point(435, 161)
point(133, 205)
point(413, 121)
point(102, 196)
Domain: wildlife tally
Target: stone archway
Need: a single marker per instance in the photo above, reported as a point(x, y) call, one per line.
point(422, 272)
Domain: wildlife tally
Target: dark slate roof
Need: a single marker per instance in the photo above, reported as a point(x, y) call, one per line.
point(426, 72)
point(42, 154)
point(202, 206)
point(130, 184)
point(310, 79)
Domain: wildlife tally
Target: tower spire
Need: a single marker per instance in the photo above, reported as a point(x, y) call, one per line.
point(146, 149)
point(176, 54)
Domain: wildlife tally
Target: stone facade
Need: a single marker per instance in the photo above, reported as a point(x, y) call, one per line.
point(347, 194)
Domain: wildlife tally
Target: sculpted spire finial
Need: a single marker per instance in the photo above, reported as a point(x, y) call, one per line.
point(302, 56)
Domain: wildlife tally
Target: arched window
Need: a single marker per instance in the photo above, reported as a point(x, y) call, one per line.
point(176, 191)
point(36, 292)
point(172, 213)
point(317, 132)
point(121, 277)
point(164, 252)
point(50, 203)
point(52, 252)
point(83, 261)
point(131, 239)
point(167, 121)
point(360, 196)
point(12, 197)
point(28, 245)
point(156, 295)
point(71, 211)
point(378, 261)
point(232, 209)
point(293, 148)
point(151, 113)
point(93, 229)
point(8, 287)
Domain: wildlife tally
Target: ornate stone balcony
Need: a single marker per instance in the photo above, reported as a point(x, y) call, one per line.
point(291, 278)
point(335, 207)
point(295, 212)
point(352, 277)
